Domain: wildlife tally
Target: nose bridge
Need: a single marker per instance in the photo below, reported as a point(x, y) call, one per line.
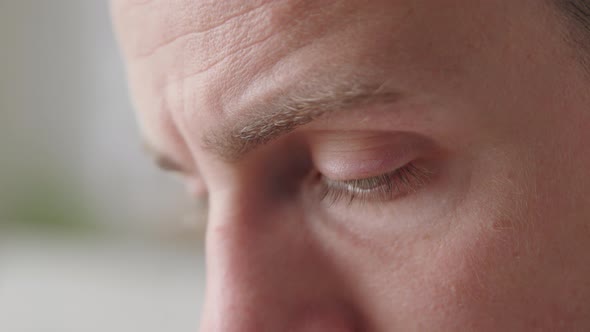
point(264, 273)
point(232, 293)
point(247, 254)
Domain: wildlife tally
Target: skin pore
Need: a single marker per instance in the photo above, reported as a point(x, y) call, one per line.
point(390, 165)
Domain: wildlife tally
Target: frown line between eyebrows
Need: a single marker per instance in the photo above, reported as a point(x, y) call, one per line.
point(264, 122)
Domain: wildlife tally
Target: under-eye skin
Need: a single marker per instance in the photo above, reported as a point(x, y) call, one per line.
point(385, 187)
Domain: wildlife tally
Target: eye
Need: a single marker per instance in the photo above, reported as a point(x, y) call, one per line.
point(386, 187)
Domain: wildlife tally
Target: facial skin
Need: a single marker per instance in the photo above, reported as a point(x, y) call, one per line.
point(385, 165)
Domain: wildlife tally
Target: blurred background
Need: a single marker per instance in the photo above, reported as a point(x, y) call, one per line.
point(92, 236)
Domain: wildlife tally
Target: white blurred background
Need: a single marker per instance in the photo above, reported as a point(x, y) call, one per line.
point(92, 236)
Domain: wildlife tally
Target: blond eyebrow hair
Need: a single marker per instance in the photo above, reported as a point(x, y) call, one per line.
point(281, 114)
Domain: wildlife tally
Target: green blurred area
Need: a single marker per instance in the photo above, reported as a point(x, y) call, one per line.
point(44, 201)
point(92, 236)
point(70, 156)
point(37, 80)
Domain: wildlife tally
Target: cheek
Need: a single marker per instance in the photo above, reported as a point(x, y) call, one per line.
point(471, 279)
point(470, 273)
point(486, 278)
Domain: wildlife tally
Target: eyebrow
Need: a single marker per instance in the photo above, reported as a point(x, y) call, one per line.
point(281, 114)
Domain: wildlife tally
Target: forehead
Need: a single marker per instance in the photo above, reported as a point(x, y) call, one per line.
point(233, 41)
point(231, 24)
point(210, 59)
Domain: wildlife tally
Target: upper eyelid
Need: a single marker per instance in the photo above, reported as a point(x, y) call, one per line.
point(387, 175)
point(353, 185)
point(168, 164)
point(165, 161)
point(393, 181)
point(374, 152)
point(380, 177)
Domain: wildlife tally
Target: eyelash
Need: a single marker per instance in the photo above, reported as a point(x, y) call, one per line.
point(385, 187)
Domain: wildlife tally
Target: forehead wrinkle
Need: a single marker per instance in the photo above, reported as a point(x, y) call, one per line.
point(190, 34)
point(270, 28)
point(159, 23)
point(264, 122)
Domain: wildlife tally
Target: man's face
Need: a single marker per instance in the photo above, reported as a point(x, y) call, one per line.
point(386, 165)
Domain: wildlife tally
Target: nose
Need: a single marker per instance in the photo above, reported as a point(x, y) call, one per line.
point(265, 272)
